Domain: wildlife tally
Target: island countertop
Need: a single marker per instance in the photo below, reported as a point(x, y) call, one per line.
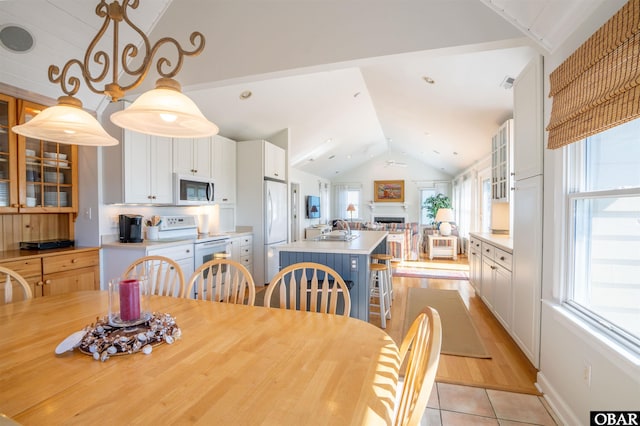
point(365, 243)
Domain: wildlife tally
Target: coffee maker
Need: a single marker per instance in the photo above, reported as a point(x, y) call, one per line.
point(130, 228)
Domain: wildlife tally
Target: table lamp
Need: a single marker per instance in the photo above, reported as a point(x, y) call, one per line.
point(444, 216)
point(351, 208)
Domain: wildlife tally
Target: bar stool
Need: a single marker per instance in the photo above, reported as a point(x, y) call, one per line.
point(379, 288)
point(386, 259)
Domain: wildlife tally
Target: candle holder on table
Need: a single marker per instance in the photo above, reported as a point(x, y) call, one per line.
point(128, 301)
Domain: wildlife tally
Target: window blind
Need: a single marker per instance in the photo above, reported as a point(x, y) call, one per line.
point(598, 86)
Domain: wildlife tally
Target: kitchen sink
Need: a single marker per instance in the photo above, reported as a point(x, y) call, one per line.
point(336, 237)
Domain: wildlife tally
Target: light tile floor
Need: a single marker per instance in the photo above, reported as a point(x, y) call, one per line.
point(455, 405)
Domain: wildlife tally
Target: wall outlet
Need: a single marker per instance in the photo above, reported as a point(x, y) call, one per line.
point(115, 221)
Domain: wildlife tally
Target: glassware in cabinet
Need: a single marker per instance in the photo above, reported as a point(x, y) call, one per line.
point(49, 170)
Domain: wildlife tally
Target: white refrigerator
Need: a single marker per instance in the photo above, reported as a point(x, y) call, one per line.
point(275, 225)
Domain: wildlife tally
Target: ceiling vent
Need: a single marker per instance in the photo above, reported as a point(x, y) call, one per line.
point(507, 83)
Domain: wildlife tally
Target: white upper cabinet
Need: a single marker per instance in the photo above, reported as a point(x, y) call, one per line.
point(528, 124)
point(192, 156)
point(147, 169)
point(275, 163)
point(223, 160)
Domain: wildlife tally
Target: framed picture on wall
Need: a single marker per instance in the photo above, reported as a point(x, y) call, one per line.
point(388, 191)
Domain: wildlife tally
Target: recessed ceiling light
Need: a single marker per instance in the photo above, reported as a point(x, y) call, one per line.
point(455, 153)
point(355, 95)
point(349, 157)
point(428, 80)
point(246, 94)
point(436, 152)
point(331, 157)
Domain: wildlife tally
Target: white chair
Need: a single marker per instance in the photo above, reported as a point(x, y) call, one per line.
point(7, 278)
point(301, 285)
point(223, 280)
point(164, 274)
point(424, 338)
point(379, 290)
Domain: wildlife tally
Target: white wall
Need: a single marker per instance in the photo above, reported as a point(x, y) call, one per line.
point(567, 347)
point(415, 176)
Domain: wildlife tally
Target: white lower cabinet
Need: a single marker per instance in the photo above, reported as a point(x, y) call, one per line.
point(242, 250)
point(475, 264)
point(118, 256)
point(494, 283)
point(502, 294)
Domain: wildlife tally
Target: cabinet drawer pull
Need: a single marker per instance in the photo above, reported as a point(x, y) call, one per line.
point(39, 283)
point(487, 250)
point(47, 282)
point(501, 257)
point(74, 260)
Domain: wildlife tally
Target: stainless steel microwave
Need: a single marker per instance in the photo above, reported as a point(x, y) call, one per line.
point(192, 190)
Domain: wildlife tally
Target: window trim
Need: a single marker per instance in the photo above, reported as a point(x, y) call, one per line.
point(575, 179)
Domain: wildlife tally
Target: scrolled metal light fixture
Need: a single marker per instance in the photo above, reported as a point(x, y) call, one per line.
point(164, 111)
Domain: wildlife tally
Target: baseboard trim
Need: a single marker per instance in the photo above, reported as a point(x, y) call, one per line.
point(555, 401)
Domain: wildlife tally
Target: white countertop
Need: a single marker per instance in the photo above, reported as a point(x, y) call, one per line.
point(148, 243)
point(366, 242)
point(503, 241)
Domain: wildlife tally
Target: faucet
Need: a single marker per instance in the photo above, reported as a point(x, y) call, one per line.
point(345, 224)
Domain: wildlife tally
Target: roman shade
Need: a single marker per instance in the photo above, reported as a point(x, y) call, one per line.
point(598, 86)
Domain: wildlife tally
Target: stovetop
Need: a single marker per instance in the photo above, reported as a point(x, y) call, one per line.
point(178, 227)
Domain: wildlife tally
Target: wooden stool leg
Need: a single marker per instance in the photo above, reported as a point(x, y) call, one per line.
point(376, 290)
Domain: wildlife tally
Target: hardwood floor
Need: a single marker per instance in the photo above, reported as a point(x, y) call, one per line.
point(508, 369)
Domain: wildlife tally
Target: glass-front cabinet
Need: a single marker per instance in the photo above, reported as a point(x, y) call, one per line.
point(47, 170)
point(35, 175)
point(8, 155)
point(501, 162)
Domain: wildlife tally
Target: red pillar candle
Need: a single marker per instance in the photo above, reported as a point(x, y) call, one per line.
point(129, 300)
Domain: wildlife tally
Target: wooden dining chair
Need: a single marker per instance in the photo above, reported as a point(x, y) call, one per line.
point(223, 280)
point(309, 286)
point(9, 279)
point(424, 338)
point(164, 274)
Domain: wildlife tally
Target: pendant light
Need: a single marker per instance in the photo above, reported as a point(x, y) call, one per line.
point(66, 123)
point(164, 111)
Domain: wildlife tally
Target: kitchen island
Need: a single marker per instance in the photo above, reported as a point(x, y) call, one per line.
point(350, 259)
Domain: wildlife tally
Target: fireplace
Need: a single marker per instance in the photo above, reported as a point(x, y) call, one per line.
point(388, 219)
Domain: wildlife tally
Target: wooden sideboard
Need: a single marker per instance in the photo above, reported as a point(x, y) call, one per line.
point(57, 271)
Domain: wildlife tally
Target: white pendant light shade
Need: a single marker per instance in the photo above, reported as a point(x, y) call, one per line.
point(66, 123)
point(165, 111)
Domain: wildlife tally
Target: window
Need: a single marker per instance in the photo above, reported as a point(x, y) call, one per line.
point(604, 231)
point(424, 194)
point(348, 194)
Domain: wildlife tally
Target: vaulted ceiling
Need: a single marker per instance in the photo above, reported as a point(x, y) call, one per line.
point(352, 80)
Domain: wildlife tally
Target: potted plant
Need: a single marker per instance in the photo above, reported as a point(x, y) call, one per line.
point(433, 203)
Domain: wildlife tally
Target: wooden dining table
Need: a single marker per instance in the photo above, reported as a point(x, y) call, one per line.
point(233, 365)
